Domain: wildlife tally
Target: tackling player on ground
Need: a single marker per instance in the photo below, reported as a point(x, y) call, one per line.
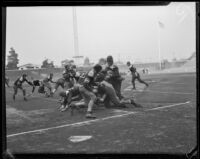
point(109, 95)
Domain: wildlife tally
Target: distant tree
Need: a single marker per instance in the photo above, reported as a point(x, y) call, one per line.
point(12, 59)
point(67, 62)
point(51, 65)
point(86, 61)
point(71, 61)
point(47, 64)
point(102, 61)
point(44, 64)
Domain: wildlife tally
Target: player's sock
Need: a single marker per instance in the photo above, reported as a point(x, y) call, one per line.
point(51, 94)
point(14, 97)
point(25, 99)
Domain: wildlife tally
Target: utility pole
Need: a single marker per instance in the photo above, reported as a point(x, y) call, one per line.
point(75, 30)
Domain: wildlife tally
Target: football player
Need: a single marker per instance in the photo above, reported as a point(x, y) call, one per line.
point(86, 89)
point(109, 95)
point(7, 80)
point(69, 95)
point(135, 75)
point(18, 85)
point(114, 76)
point(46, 84)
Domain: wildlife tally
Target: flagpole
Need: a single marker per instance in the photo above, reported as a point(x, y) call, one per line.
point(159, 53)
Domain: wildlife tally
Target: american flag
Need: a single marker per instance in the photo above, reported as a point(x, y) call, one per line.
point(161, 25)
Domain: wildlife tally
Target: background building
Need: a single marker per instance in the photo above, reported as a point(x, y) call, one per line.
point(29, 66)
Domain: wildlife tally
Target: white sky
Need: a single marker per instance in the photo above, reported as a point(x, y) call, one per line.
point(130, 33)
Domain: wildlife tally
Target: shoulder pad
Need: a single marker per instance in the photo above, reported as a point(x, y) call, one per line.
point(67, 92)
point(91, 73)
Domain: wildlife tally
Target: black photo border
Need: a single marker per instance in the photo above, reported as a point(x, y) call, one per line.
point(26, 3)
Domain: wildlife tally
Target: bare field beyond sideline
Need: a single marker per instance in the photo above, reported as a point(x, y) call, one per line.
point(165, 124)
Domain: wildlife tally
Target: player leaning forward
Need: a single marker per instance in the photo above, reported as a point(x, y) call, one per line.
point(135, 75)
point(46, 84)
point(86, 89)
point(103, 90)
point(18, 85)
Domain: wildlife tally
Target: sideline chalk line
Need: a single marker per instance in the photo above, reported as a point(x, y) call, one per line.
point(165, 92)
point(94, 120)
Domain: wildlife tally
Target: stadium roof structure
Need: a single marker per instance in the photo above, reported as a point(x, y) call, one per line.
point(78, 57)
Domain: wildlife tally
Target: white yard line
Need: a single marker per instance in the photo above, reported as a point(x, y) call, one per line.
point(168, 106)
point(165, 92)
point(20, 113)
point(172, 83)
point(94, 120)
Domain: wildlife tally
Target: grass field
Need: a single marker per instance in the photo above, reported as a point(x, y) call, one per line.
point(165, 124)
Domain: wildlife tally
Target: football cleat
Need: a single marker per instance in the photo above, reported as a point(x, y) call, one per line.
point(64, 108)
point(90, 116)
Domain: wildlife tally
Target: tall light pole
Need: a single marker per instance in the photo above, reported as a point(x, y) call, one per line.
point(159, 54)
point(75, 30)
point(160, 25)
point(76, 40)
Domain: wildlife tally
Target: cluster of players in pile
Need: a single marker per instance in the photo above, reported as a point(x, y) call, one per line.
point(94, 87)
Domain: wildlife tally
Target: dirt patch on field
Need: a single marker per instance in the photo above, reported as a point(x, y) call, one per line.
point(18, 117)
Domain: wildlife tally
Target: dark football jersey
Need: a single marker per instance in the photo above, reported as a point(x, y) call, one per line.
point(132, 69)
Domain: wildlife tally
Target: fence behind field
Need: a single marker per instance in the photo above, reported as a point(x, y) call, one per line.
point(40, 73)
